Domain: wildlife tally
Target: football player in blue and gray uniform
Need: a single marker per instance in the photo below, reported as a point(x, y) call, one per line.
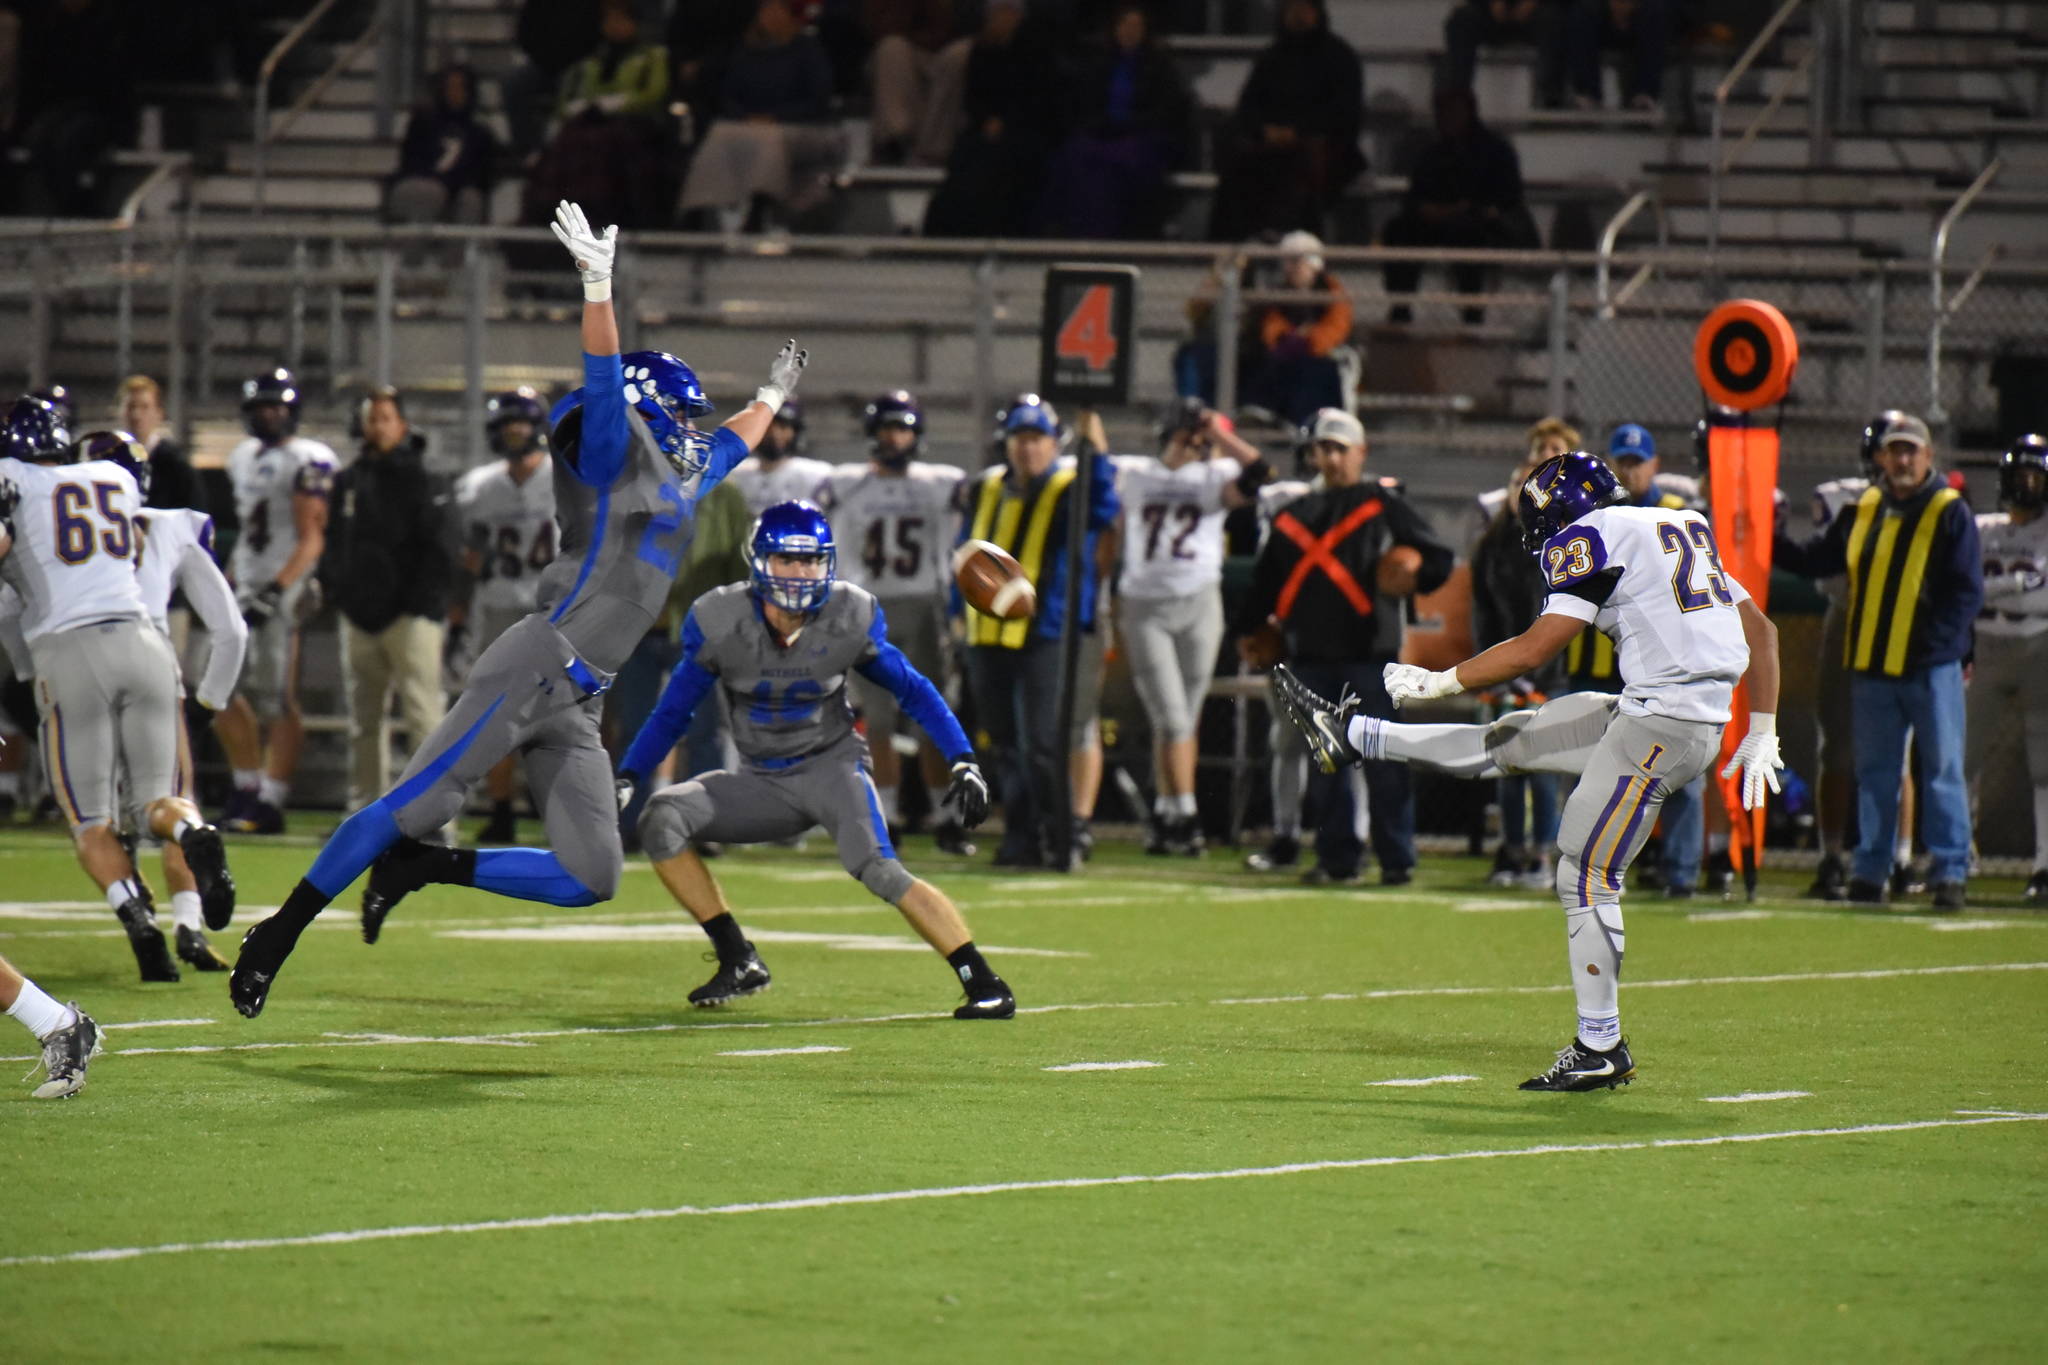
point(629, 467)
point(781, 647)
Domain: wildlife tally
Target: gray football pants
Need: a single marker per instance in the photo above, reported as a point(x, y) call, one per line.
point(1639, 761)
point(759, 806)
point(108, 697)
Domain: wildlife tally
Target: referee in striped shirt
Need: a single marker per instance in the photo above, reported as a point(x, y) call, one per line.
point(1916, 582)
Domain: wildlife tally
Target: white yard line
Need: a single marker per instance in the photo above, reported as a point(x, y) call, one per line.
point(1134, 1065)
point(1403, 993)
point(1755, 1096)
point(782, 1051)
point(349, 1236)
point(155, 1023)
point(1425, 1080)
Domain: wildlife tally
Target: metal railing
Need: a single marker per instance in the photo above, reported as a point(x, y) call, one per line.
point(1637, 202)
point(1937, 411)
point(261, 129)
point(1717, 164)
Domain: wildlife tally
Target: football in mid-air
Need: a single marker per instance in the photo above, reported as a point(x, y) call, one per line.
point(992, 582)
point(1399, 570)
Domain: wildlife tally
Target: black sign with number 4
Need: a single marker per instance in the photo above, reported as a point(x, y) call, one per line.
point(1084, 341)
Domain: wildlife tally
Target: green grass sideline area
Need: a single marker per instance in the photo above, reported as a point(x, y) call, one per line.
point(501, 1134)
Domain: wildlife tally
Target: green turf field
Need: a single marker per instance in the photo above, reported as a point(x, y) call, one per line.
point(501, 1134)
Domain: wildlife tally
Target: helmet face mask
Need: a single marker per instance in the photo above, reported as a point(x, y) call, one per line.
point(1561, 490)
point(792, 531)
point(2023, 474)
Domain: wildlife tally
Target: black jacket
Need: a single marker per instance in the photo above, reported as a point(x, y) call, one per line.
point(387, 540)
point(173, 482)
point(1321, 619)
point(1508, 592)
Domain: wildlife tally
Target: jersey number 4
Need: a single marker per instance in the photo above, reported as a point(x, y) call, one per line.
point(79, 536)
point(1685, 543)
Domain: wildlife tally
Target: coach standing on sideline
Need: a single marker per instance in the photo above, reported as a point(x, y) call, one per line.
point(1916, 581)
point(1317, 577)
point(387, 569)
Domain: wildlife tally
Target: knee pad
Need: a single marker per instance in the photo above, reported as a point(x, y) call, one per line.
point(669, 820)
point(885, 877)
point(598, 869)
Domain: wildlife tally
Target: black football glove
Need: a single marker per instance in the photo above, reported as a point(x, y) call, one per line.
point(264, 605)
point(969, 792)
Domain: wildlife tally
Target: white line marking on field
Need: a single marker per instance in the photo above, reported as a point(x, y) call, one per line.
point(472, 1040)
point(1963, 926)
point(646, 933)
point(1103, 1066)
point(2000, 1113)
point(1754, 1096)
point(158, 1023)
point(53, 909)
point(1495, 907)
point(1402, 993)
point(1726, 916)
point(1425, 1080)
point(831, 1201)
point(782, 1051)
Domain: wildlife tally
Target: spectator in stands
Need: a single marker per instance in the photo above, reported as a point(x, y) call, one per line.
point(387, 568)
point(172, 480)
point(1317, 580)
point(1465, 190)
point(609, 151)
point(1473, 24)
point(998, 168)
point(553, 35)
point(702, 36)
point(1639, 29)
point(1907, 651)
point(1292, 146)
point(1508, 592)
point(920, 69)
point(75, 98)
point(444, 164)
point(1129, 111)
point(1290, 372)
point(772, 150)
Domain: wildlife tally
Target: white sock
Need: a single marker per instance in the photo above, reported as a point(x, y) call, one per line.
point(274, 791)
point(1162, 807)
point(248, 779)
point(887, 797)
point(2041, 827)
point(185, 909)
point(1456, 749)
point(39, 1013)
point(1595, 944)
point(123, 891)
point(181, 829)
point(1184, 804)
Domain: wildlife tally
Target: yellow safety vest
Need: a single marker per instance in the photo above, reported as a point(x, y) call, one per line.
point(1886, 570)
point(1020, 523)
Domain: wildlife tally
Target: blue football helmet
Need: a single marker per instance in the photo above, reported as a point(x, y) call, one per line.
point(119, 446)
point(1560, 491)
point(272, 386)
point(1031, 413)
point(796, 529)
point(666, 394)
point(35, 431)
point(2023, 473)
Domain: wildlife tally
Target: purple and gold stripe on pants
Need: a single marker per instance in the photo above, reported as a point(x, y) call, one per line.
point(60, 775)
point(1613, 832)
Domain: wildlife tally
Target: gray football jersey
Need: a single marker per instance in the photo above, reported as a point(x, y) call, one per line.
point(786, 701)
point(622, 544)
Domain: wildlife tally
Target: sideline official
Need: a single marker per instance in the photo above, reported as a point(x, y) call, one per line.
point(1318, 578)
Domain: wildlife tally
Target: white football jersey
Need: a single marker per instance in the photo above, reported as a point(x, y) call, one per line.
point(2015, 575)
point(1173, 524)
point(787, 480)
point(265, 479)
point(1828, 501)
point(177, 555)
point(511, 526)
point(75, 544)
point(1651, 579)
point(895, 532)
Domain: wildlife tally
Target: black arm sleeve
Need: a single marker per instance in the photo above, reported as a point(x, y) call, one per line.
point(1412, 529)
point(1594, 588)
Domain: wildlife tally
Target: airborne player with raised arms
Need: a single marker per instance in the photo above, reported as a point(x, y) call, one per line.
point(630, 465)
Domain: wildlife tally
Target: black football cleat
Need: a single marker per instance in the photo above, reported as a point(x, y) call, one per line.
point(1830, 879)
point(1283, 852)
point(951, 837)
point(264, 949)
point(990, 999)
point(1325, 726)
point(66, 1054)
point(1579, 1067)
point(1949, 897)
point(207, 856)
point(399, 871)
point(152, 955)
point(2037, 889)
point(197, 953)
point(748, 976)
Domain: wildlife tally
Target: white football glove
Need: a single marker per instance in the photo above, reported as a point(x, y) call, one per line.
point(782, 376)
point(1757, 759)
point(593, 253)
point(623, 787)
point(1411, 682)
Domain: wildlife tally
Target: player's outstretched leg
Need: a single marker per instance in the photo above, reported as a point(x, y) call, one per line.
point(68, 1036)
